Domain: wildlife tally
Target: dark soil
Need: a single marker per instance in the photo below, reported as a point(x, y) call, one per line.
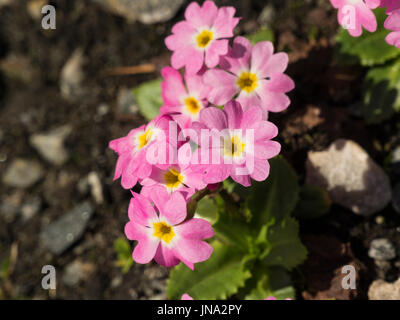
point(320, 113)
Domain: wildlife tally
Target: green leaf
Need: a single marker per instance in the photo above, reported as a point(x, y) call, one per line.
point(314, 202)
point(275, 198)
point(285, 248)
point(124, 254)
point(370, 48)
point(148, 97)
point(382, 92)
point(266, 282)
point(233, 231)
point(217, 278)
point(264, 34)
point(207, 209)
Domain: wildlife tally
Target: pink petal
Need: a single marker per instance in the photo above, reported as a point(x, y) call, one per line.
point(213, 118)
point(251, 118)
point(122, 164)
point(234, 114)
point(265, 130)
point(373, 4)
point(159, 197)
point(393, 39)
point(223, 86)
point(194, 179)
point(272, 100)
point(279, 82)
point(260, 170)
point(248, 101)
point(244, 180)
point(238, 58)
point(260, 56)
point(140, 210)
point(175, 209)
point(184, 155)
point(182, 35)
point(216, 173)
point(393, 21)
point(277, 63)
point(185, 296)
point(266, 149)
point(225, 22)
point(129, 177)
point(189, 57)
point(195, 229)
point(194, 251)
point(216, 49)
point(200, 17)
point(368, 19)
point(196, 86)
point(146, 248)
point(166, 256)
point(190, 245)
point(172, 87)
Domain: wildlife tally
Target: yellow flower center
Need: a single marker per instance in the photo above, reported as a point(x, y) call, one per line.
point(192, 105)
point(145, 138)
point(173, 179)
point(247, 81)
point(233, 146)
point(163, 231)
point(204, 38)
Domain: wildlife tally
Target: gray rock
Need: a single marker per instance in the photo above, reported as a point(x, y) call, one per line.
point(116, 282)
point(350, 176)
point(126, 102)
point(396, 198)
point(10, 206)
point(50, 145)
point(4, 3)
point(73, 273)
point(267, 16)
point(396, 155)
point(72, 76)
point(382, 290)
point(96, 188)
point(147, 12)
point(83, 186)
point(34, 8)
point(23, 173)
point(30, 208)
point(382, 249)
point(103, 109)
point(18, 68)
point(62, 233)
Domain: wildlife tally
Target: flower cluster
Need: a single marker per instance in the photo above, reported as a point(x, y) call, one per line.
point(357, 14)
point(213, 125)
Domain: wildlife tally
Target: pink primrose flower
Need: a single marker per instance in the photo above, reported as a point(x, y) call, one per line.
point(202, 37)
point(185, 296)
point(183, 103)
point(180, 176)
point(391, 5)
point(132, 149)
point(159, 226)
point(238, 144)
point(356, 14)
point(393, 23)
point(253, 74)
